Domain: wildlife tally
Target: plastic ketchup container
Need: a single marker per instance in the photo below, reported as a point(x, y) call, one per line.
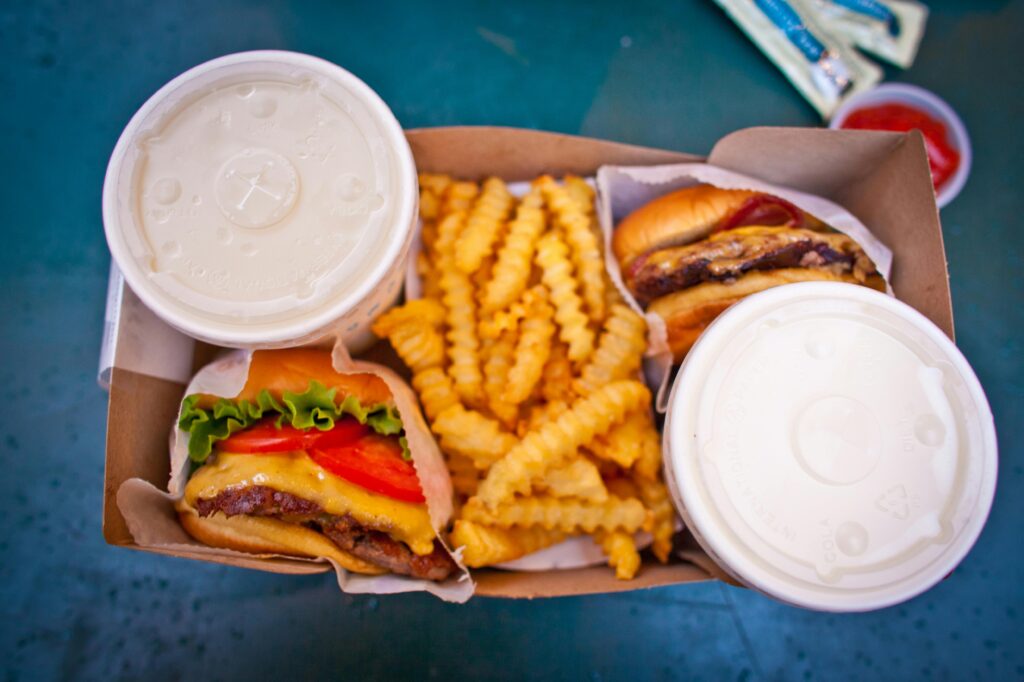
point(263, 199)
point(830, 447)
point(899, 107)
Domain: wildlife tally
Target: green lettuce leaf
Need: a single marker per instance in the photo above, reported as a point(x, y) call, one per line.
point(313, 408)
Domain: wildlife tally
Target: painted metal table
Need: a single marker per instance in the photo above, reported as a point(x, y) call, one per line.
point(675, 75)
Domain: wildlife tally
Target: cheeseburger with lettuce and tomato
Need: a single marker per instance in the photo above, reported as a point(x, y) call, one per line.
point(307, 461)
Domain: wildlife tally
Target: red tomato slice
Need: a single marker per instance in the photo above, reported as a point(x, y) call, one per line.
point(375, 463)
point(265, 437)
point(763, 210)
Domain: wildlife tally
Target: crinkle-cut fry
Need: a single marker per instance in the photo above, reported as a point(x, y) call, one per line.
point(493, 324)
point(576, 478)
point(620, 548)
point(532, 348)
point(496, 367)
point(482, 276)
point(417, 313)
point(600, 449)
point(486, 545)
point(621, 486)
point(541, 414)
point(428, 235)
point(459, 196)
point(435, 183)
point(561, 513)
point(429, 283)
point(654, 495)
point(619, 353)
point(464, 474)
point(488, 214)
point(557, 378)
point(448, 229)
point(554, 441)
point(512, 269)
point(470, 434)
point(419, 346)
point(581, 193)
point(463, 345)
point(436, 391)
point(624, 443)
point(586, 251)
point(412, 331)
point(648, 464)
point(556, 273)
point(430, 205)
point(457, 296)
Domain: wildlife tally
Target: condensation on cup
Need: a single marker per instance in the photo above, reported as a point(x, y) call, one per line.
point(830, 447)
point(263, 199)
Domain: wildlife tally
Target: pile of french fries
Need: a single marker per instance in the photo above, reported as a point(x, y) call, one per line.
point(526, 361)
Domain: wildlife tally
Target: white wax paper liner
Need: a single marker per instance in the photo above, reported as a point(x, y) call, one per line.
point(623, 189)
point(149, 514)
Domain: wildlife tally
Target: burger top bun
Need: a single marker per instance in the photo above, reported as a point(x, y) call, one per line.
point(677, 218)
point(293, 369)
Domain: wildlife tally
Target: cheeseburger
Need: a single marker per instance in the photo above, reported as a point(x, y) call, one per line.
point(309, 462)
point(690, 254)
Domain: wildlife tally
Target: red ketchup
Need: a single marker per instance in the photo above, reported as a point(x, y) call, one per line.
point(942, 157)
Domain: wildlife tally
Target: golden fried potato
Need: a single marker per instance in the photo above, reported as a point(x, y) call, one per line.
point(577, 478)
point(561, 513)
point(619, 353)
point(525, 358)
point(586, 253)
point(512, 269)
point(483, 226)
point(500, 359)
point(532, 348)
point(553, 259)
point(435, 183)
point(654, 495)
point(620, 548)
point(470, 434)
point(554, 441)
point(465, 475)
point(463, 344)
point(487, 545)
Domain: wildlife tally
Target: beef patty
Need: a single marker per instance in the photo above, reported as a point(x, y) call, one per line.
point(728, 255)
point(369, 545)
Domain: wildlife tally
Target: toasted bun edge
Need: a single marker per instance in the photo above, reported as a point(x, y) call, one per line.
point(677, 218)
point(261, 535)
point(689, 311)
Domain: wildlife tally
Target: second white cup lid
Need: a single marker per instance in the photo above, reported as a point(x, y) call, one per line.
point(831, 447)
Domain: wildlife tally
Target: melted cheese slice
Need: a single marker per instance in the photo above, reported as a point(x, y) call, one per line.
point(297, 474)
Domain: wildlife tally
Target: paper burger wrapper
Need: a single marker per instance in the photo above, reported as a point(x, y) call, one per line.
point(152, 522)
point(623, 189)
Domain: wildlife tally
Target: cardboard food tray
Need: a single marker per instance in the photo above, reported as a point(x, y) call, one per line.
point(882, 178)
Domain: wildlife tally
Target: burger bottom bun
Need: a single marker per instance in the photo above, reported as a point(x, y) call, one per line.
point(262, 535)
point(689, 311)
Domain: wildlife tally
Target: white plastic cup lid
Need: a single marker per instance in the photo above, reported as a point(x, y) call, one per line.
point(257, 198)
point(829, 446)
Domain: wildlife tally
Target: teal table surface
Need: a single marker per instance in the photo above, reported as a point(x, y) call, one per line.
point(675, 74)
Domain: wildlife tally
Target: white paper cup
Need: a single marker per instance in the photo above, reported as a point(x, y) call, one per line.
point(263, 199)
point(934, 106)
point(830, 447)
